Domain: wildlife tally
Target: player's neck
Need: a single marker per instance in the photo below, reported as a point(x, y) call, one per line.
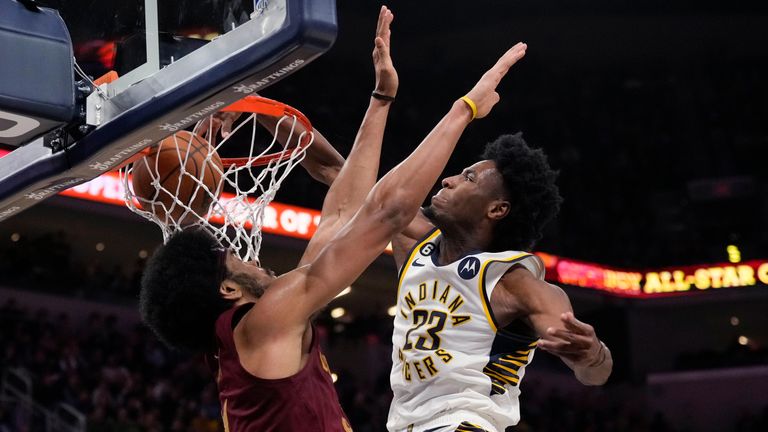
point(456, 243)
point(246, 298)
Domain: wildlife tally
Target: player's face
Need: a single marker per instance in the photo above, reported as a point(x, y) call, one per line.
point(465, 197)
point(251, 277)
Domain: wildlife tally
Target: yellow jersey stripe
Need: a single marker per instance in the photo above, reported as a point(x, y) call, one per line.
point(502, 378)
point(517, 363)
point(511, 357)
point(512, 371)
point(501, 388)
point(496, 376)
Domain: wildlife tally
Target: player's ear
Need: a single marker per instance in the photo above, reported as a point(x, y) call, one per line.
point(230, 290)
point(498, 209)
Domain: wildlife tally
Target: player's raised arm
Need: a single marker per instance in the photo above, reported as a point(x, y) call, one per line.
point(394, 200)
point(358, 175)
point(322, 161)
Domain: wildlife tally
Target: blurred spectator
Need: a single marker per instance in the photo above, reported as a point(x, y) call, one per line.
point(128, 382)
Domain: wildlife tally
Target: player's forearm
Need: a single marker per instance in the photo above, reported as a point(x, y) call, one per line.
point(401, 191)
point(358, 175)
point(597, 373)
point(322, 162)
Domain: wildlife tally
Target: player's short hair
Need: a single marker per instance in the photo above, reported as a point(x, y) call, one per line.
point(179, 297)
point(529, 184)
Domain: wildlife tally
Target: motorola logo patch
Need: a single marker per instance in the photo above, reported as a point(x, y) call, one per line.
point(469, 267)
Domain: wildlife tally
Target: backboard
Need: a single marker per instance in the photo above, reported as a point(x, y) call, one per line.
point(178, 61)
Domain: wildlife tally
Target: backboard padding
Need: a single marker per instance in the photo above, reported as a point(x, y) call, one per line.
point(199, 84)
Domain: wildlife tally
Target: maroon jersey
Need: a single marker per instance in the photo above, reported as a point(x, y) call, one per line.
point(304, 402)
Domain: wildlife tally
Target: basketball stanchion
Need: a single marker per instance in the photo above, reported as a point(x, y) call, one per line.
point(177, 183)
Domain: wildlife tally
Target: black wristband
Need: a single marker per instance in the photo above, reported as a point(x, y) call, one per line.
point(380, 96)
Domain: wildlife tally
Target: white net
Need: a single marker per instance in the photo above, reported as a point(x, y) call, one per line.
point(225, 198)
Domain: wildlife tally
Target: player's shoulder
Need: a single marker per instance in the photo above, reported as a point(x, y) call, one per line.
point(521, 280)
point(507, 264)
point(520, 293)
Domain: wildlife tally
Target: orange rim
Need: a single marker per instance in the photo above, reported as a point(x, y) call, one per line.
point(255, 105)
point(273, 108)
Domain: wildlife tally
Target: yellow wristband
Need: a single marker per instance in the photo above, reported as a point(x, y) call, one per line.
point(471, 104)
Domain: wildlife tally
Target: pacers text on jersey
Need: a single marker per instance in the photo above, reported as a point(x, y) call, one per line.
point(430, 307)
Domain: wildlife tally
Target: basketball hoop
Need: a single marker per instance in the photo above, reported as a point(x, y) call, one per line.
point(244, 187)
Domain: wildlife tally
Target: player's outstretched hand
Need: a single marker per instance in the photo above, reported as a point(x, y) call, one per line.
point(386, 75)
point(484, 92)
point(577, 343)
point(219, 122)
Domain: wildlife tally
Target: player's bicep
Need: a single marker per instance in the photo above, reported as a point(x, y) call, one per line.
point(346, 256)
point(546, 302)
point(522, 295)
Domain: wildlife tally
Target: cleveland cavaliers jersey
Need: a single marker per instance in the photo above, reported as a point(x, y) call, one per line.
point(448, 354)
point(305, 401)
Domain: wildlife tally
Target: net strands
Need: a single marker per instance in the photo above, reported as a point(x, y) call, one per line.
point(239, 219)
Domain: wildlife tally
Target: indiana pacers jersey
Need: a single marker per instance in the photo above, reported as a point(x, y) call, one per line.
point(450, 362)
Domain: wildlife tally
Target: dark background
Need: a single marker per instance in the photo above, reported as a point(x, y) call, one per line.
point(654, 114)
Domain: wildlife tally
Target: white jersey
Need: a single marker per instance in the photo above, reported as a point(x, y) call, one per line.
point(448, 355)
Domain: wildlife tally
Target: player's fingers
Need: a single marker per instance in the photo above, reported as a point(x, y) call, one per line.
point(506, 61)
point(383, 23)
point(382, 11)
point(382, 50)
point(510, 57)
point(210, 126)
point(554, 346)
point(388, 17)
point(576, 326)
point(226, 127)
point(561, 334)
point(386, 32)
point(576, 340)
point(562, 349)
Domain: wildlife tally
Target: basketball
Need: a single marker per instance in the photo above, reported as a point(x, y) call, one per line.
point(181, 166)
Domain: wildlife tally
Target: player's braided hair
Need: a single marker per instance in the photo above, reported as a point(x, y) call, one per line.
point(529, 183)
point(179, 297)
